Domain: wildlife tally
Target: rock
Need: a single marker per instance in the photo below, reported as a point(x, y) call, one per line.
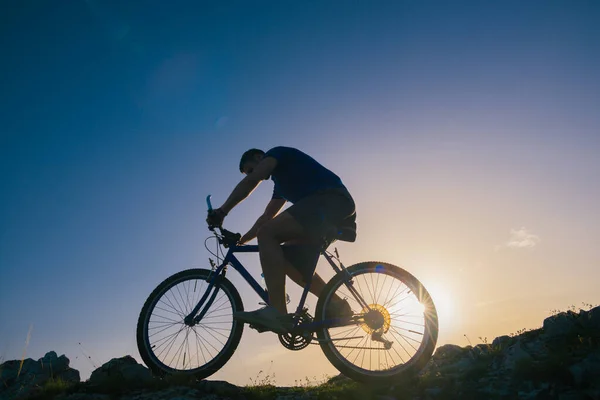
point(592, 320)
point(514, 355)
point(341, 378)
point(537, 348)
point(125, 369)
point(448, 352)
point(480, 350)
point(572, 395)
point(218, 387)
point(529, 394)
point(83, 396)
point(297, 396)
point(433, 392)
point(560, 324)
point(593, 393)
point(461, 365)
point(577, 372)
point(22, 380)
point(501, 342)
point(53, 362)
point(587, 371)
point(173, 393)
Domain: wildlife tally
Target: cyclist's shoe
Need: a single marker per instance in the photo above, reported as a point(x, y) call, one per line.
point(338, 309)
point(266, 319)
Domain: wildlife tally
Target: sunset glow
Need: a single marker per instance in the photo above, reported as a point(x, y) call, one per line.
point(468, 134)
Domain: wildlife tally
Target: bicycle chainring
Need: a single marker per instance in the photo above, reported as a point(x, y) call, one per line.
point(296, 340)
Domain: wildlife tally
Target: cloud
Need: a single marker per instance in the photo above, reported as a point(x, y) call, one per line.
point(522, 238)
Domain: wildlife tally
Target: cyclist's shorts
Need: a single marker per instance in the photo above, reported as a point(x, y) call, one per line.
point(317, 214)
point(321, 211)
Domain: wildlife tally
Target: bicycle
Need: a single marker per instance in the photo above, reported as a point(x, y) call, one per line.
point(389, 327)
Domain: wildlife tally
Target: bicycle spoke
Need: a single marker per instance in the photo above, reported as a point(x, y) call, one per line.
point(394, 295)
point(382, 285)
point(175, 336)
point(213, 329)
point(407, 338)
point(216, 316)
point(176, 301)
point(388, 293)
point(167, 311)
point(376, 287)
point(213, 337)
point(182, 300)
point(180, 346)
point(156, 333)
point(409, 323)
point(168, 319)
point(198, 345)
point(170, 306)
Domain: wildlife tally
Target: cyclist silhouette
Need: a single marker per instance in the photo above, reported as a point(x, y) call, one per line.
point(320, 202)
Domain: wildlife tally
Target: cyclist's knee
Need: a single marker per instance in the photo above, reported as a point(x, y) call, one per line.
point(265, 232)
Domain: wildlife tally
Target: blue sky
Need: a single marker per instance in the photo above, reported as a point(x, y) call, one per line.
point(454, 124)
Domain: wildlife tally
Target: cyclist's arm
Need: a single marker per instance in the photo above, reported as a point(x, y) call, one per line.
point(262, 171)
point(270, 212)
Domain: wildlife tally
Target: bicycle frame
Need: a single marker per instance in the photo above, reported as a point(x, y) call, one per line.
point(230, 259)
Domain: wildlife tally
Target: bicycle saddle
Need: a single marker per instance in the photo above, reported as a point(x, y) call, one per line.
point(346, 230)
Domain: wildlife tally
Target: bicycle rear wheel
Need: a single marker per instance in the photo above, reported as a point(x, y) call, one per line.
point(167, 345)
point(395, 336)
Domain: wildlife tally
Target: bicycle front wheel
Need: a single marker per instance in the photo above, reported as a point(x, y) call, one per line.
point(167, 345)
point(394, 333)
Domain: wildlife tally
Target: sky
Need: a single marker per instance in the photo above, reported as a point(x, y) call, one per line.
point(468, 133)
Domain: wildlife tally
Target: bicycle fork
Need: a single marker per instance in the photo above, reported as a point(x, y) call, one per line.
point(207, 298)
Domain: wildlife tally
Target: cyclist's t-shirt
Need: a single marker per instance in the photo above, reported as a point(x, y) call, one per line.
point(298, 175)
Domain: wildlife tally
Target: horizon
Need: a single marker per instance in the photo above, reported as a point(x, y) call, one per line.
point(467, 133)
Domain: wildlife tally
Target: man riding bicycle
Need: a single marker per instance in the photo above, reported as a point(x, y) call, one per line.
point(320, 201)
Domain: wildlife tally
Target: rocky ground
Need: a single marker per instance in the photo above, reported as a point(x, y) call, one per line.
point(559, 361)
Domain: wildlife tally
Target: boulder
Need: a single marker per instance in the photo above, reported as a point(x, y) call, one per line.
point(514, 355)
point(219, 387)
point(20, 380)
point(480, 350)
point(586, 371)
point(448, 352)
point(123, 370)
point(561, 324)
point(591, 319)
point(501, 342)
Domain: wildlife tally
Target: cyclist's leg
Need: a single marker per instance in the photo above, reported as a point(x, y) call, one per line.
point(316, 284)
point(296, 274)
point(316, 214)
point(306, 218)
point(274, 264)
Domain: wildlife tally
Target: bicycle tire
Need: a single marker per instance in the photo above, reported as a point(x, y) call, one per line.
point(430, 333)
point(158, 367)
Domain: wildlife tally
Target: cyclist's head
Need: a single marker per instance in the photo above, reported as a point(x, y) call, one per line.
point(250, 159)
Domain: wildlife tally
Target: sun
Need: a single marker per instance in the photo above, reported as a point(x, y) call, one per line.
point(444, 304)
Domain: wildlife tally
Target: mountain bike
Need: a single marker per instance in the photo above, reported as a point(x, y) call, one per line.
point(186, 325)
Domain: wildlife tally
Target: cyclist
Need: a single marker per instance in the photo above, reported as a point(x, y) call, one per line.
point(320, 200)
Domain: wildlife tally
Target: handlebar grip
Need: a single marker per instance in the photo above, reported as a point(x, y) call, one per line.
point(208, 203)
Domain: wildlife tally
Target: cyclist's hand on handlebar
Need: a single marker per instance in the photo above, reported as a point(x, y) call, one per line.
point(244, 239)
point(215, 217)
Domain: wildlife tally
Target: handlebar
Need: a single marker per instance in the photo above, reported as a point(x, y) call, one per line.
point(226, 238)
